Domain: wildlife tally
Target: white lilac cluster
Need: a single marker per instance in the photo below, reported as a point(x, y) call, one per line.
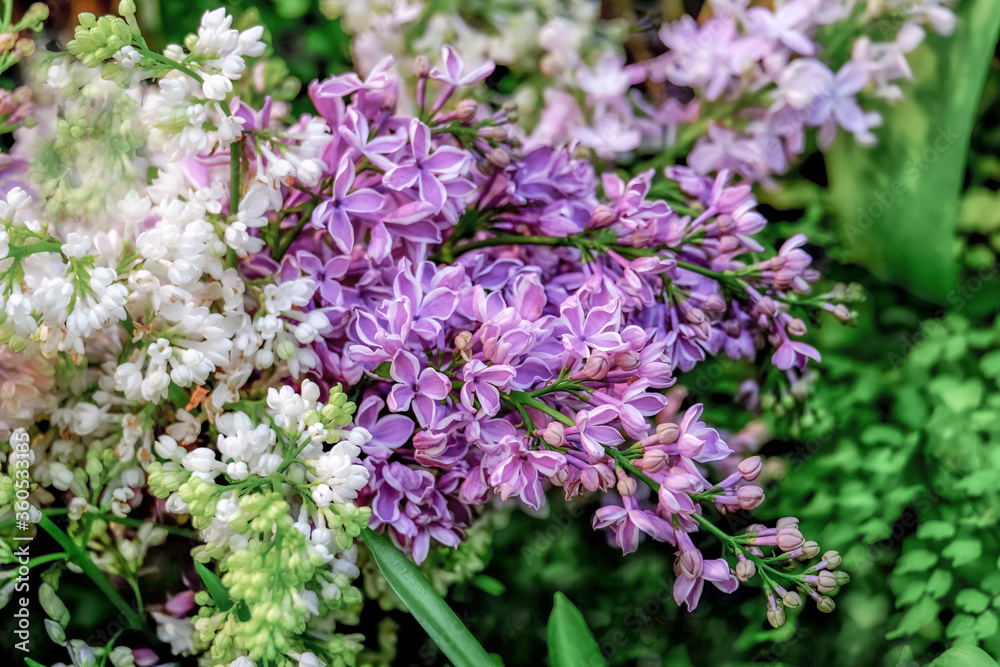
point(159, 362)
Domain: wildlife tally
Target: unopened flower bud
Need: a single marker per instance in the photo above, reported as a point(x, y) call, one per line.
point(653, 460)
point(666, 434)
point(789, 538)
point(626, 361)
point(463, 341)
point(7, 41)
point(750, 497)
point(690, 563)
point(745, 570)
point(602, 215)
point(24, 47)
point(597, 366)
point(626, 485)
point(766, 306)
point(499, 134)
point(797, 327)
point(421, 66)
point(842, 312)
point(750, 468)
point(695, 315)
point(826, 604)
point(842, 578)
point(500, 157)
point(826, 581)
point(787, 521)
point(728, 244)
point(832, 559)
point(465, 111)
point(776, 616)
point(554, 434)
point(714, 304)
point(126, 8)
point(810, 550)
point(792, 600)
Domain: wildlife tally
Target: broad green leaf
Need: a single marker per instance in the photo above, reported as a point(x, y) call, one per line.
point(964, 656)
point(219, 592)
point(898, 203)
point(570, 641)
point(430, 610)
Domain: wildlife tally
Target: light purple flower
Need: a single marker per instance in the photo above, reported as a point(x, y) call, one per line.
point(419, 387)
point(332, 213)
point(431, 171)
point(484, 383)
point(629, 521)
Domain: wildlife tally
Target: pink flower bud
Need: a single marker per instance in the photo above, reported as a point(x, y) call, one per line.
point(690, 562)
point(832, 559)
point(750, 468)
point(792, 600)
point(789, 538)
point(653, 460)
point(602, 216)
point(797, 327)
point(465, 111)
point(554, 434)
point(500, 157)
point(421, 66)
point(750, 496)
point(596, 367)
point(787, 521)
point(810, 550)
point(626, 361)
point(626, 485)
point(667, 433)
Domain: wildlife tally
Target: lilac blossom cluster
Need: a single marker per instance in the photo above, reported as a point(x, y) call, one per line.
point(740, 89)
point(503, 327)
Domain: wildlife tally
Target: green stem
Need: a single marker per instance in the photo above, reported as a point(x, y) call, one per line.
point(513, 240)
point(173, 64)
point(47, 558)
point(235, 180)
point(81, 558)
point(31, 248)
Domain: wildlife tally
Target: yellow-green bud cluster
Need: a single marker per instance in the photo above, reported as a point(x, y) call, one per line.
point(97, 39)
point(166, 478)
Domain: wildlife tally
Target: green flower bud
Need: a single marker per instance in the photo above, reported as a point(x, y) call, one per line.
point(52, 605)
point(55, 631)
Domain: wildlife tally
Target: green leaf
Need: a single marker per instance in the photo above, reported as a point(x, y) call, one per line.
point(897, 204)
point(964, 656)
point(430, 610)
point(962, 551)
point(939, 583)
point(917, 560)
point(220, 593)
point(972, 600)
point(936, 530)
point(570, 641)
point(915, 618)
point(32, 663)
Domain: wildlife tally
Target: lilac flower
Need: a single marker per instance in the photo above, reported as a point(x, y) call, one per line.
point(697, 441)
point(598, 329)
point(389, 432)
point(629, 521)
point(784, 25)
point(691, 582)
point(793, 354)
point(521, 472)
point(453, 73)
point(483, 383)
point(431, 171)
point(594, 431)
point(419, 387)
point(332, 213)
